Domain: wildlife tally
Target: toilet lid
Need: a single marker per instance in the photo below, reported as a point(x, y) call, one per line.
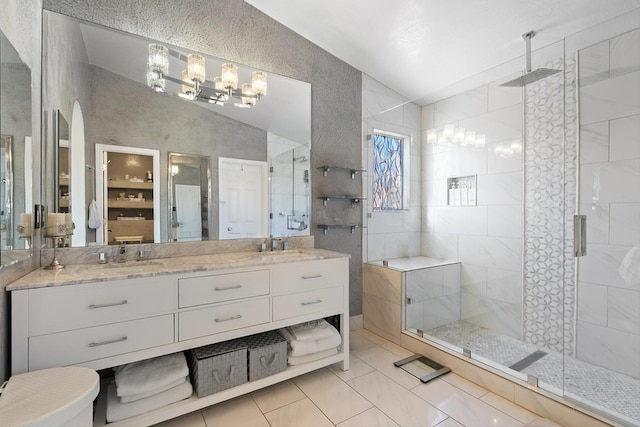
point(49, 396)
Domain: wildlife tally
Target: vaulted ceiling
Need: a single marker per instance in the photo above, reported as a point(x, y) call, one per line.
point(422, 48)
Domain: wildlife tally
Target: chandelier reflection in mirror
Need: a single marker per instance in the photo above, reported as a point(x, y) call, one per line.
point(222, 90)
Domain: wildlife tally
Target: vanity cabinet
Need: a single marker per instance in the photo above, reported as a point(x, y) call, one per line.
point(102, 324)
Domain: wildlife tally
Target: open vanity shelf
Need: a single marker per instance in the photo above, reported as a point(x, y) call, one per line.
point(195, 403)
point(196, 301)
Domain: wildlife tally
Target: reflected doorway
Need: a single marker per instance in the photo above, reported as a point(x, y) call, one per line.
point(243, 207)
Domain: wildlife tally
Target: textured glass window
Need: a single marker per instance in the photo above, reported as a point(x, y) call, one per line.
point(388, 172)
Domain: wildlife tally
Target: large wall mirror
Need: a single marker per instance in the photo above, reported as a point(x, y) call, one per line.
point(15, 156)
point(107, 73)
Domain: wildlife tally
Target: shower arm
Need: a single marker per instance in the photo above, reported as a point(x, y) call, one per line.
point(527, 38)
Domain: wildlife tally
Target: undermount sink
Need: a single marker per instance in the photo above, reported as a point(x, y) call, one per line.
point(283, 252)
point(133, 264)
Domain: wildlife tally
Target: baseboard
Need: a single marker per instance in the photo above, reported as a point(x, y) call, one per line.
point(356, 322)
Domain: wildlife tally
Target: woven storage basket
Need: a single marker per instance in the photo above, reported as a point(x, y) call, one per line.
point(267, 354)
point(218, 366)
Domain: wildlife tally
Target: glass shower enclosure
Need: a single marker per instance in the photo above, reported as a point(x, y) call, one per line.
point(550, 249)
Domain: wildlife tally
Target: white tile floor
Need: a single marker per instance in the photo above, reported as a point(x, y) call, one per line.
point(372, 393)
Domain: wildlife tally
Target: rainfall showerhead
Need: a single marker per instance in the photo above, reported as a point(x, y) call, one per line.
point(530, 76)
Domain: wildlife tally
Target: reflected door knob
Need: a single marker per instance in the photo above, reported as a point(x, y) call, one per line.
point(229, 228)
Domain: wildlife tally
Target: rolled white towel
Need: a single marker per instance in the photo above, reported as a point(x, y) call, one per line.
point(312, 330)
point(150, 374)
point(117, 411)
point(301, 348)
point(134, 397)
point(298, 360)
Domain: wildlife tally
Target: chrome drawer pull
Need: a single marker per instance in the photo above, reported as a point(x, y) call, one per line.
point(111, 304)
point(315, 276)
point(96, 344)
point(318, 301)
point(226, 319)
point(227, 288)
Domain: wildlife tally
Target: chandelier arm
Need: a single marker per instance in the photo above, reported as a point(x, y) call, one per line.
point(179, 81)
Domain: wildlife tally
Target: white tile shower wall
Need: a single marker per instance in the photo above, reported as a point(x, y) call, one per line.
point(391, 234)
point(486, 238)
point(609, 287)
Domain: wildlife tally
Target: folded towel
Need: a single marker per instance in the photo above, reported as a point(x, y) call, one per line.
point(150, 374)
point(298, 360)
point(312, 330)
point(301, 348)
point(133, 398)
point(117, 411)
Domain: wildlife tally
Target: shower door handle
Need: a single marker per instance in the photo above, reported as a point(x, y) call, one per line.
point(579, 235)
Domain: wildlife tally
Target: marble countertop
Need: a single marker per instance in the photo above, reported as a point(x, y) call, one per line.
point(83, 273)
point(413, 263)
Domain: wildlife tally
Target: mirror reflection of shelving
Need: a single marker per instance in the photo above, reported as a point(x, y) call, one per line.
point(63, 179)
point(130, 198)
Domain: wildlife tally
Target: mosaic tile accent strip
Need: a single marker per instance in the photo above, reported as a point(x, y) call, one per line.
point(550, 149)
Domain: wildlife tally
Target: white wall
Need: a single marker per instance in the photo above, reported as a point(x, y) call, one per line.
point(390, 234)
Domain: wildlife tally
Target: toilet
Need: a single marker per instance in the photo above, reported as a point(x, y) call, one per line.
point(50, 397)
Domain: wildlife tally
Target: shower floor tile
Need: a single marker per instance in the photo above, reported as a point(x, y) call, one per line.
point(603, 388)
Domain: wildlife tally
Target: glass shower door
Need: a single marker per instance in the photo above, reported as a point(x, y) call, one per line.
point(604, 370)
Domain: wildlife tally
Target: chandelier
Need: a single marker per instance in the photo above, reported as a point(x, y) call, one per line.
point(221, 91)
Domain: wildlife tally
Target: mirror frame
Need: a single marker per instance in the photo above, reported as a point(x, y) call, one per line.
point(6, 142)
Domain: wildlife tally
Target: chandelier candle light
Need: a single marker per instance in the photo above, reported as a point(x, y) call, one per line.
point(221, 90)
point(59, 226)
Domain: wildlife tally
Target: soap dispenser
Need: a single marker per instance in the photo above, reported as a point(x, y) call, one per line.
point(464, 194)
point(452, 193)
point(456, 194)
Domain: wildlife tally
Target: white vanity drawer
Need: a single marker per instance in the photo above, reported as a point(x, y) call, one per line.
point(302, 303)
point(221, 318)
point(222, 287)
point(70, 307)
point(300, 276)
point(83, 345)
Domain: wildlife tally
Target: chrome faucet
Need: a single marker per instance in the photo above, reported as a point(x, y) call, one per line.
point(122, 253)
point(274, 243)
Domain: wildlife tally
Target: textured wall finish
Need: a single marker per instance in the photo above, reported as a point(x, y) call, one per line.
point(234, 30)
point(550, 199)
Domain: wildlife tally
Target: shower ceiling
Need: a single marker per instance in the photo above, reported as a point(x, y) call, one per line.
point(420, 48)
